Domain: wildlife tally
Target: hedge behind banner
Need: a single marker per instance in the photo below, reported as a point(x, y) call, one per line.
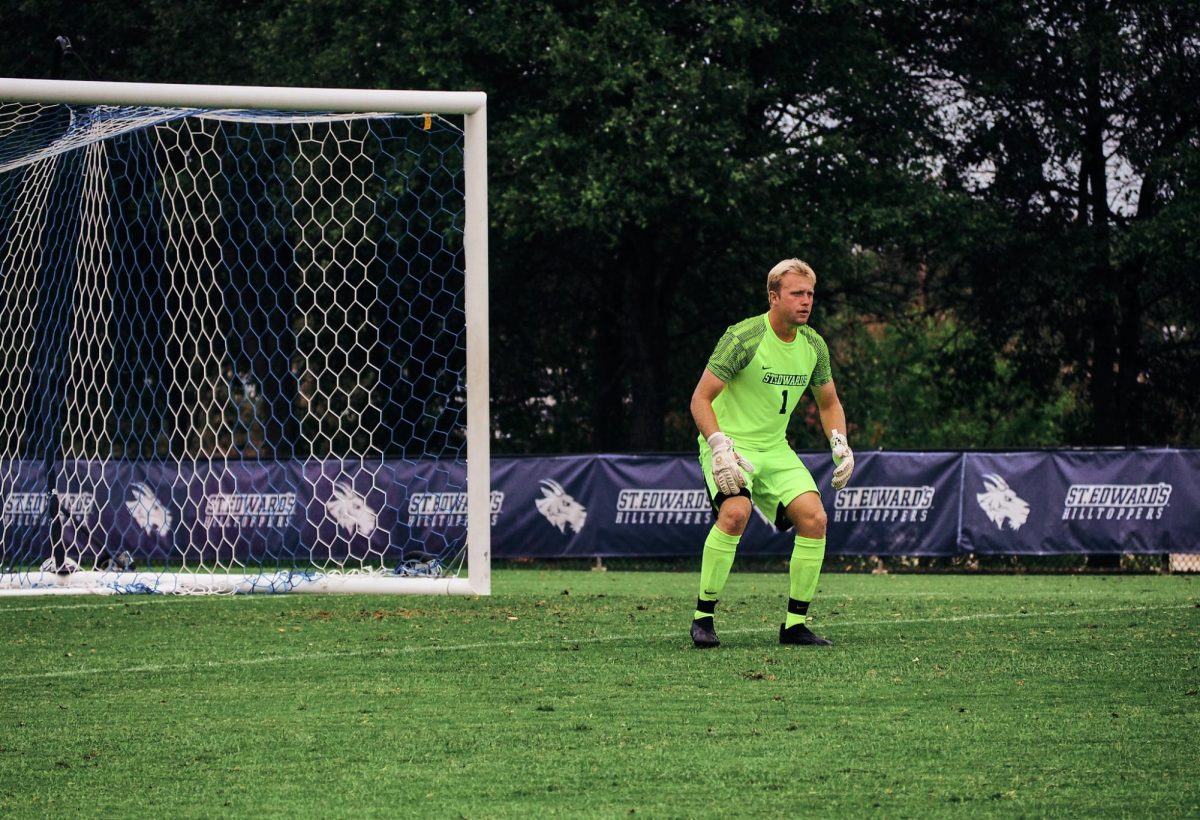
point(606, 506)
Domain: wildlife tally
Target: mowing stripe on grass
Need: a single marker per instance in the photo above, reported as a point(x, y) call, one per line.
point(389, 652)
point(117, 602)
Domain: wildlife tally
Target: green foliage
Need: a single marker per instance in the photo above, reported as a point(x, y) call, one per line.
point(578, 694)
point(649, 162)
point(1072, 128)
point(933, 383)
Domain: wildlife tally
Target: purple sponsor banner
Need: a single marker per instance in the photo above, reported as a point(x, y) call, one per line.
point(23, 520)
point(134, 506)
point(549, 507)
point(1007, 503)
point(612, 506)
point(658, 506)
point(896, 504)
point(352, 510)
point(90, 490)
point(249, 514)
point(231, 513)
point(433, 516)
point(1184, 517)
point(1078, 502)
point(156, 512)
point(207, 514)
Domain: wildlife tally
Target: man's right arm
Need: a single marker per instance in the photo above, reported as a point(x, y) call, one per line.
point(728, 467)
point(707, 389)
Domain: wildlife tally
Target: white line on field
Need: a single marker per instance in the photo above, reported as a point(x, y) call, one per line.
point(557, 642)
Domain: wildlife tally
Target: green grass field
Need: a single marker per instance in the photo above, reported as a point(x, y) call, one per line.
point(578, 693)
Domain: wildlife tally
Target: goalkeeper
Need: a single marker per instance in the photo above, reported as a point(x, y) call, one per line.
point(742, 403)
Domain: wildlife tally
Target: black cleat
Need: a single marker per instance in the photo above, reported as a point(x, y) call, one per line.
point(802, 635)
point(704, 634)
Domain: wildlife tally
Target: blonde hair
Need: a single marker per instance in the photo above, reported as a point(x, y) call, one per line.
point(789, 266)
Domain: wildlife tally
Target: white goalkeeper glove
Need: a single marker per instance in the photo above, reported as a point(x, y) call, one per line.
point(728, 468)
point(843, 460)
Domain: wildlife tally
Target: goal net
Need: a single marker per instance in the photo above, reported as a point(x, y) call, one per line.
point(243, 340)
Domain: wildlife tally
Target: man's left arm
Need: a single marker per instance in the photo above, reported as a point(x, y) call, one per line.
point(833, 419)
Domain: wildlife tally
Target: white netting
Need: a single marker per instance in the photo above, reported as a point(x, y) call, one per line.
point(31, 132)
point(232, 347)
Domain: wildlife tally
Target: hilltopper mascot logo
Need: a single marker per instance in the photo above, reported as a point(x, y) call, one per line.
point(148, 511)
point(559, 508)
point(350, 510)
point(1001, 503)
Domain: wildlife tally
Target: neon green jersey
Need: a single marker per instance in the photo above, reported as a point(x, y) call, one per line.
point(764, 378)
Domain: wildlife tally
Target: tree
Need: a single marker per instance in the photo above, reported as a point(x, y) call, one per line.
point(998, 198)
point(666, 158)
point(124, 40)
point(650, 162)
point(1076, 125)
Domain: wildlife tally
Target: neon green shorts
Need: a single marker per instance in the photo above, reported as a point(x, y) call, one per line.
point(779, 478)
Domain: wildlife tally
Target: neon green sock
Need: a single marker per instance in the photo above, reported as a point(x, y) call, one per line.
point(719, 549)
point(804, 570)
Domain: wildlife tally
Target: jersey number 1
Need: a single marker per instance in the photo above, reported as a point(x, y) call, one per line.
point(783, 407)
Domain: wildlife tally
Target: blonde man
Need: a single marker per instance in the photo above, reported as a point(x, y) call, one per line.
point(751, 385)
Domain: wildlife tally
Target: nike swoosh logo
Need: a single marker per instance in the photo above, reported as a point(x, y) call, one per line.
point(709, 592)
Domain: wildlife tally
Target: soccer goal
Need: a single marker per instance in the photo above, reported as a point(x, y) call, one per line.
point(243, 340)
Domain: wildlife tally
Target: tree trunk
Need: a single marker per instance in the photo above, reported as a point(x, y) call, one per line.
point(1106, 424)
point(646, 341)
point(649, 281)
point(608, 384)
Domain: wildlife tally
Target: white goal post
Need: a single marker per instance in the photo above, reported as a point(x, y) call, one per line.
point(243, 340)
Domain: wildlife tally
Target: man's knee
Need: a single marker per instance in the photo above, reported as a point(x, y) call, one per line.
point(816, 521)
point(808, 516)
point(734, 515)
